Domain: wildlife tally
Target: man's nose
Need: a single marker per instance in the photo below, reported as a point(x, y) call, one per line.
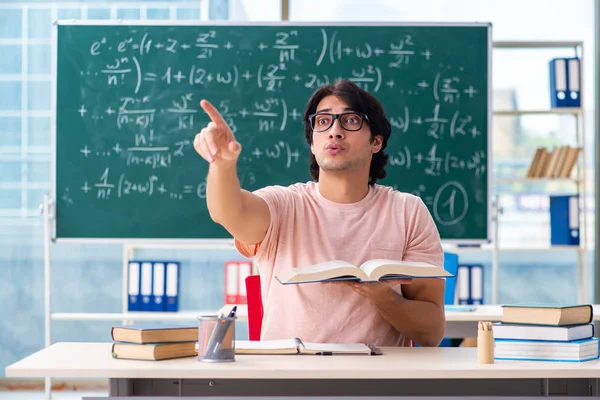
point(336, 130)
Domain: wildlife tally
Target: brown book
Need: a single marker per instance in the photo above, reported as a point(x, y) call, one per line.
point(534, 161)
point(547, 314)
point(150, 333)
point(542, 163)
point(154, 351)
point(551, 163)
point(570, 162)
point(562, 154)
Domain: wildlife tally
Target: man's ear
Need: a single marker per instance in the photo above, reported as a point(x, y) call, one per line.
point(377, 143)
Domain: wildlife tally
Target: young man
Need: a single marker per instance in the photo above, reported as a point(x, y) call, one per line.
point(342, 215)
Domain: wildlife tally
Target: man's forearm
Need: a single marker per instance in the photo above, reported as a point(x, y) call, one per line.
point(422, 321)
point(223, 192)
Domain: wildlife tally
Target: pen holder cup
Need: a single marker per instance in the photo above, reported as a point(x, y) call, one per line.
point(485, 347)
point(216, 338)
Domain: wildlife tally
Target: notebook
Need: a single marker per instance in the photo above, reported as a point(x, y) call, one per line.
point(297, 346)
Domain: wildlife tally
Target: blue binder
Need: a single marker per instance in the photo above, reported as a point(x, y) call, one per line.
point(172, 287)
point(565, 82)
point(158, 286)
point(146, 286)
point(564, 220)
point(133, 285)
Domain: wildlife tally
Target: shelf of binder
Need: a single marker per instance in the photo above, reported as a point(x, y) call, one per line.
point(133, 316)
point(530, 249)
point(566, 81)
point(558, 110)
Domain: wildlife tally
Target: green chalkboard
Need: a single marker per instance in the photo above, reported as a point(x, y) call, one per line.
point(127, 109)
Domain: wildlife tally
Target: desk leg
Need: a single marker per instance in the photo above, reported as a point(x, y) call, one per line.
point(120, 387)
point(546, 387)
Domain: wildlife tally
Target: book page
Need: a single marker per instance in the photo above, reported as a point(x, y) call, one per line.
point(321, 271)
point(334, 348)
point(369, 266)
point(377, 268)
point(282, 346)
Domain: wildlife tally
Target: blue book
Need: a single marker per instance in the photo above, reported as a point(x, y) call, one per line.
point(541, 350)
point(543, 332)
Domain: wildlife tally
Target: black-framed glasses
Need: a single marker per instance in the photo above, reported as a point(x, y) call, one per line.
point(350, 121)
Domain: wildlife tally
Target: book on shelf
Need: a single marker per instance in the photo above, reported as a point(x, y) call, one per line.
point(369, 271)
point(153, 351)
point(558, 163)
point(297, 346)
point(540, 314)
point(542, 332)
point(154, 333)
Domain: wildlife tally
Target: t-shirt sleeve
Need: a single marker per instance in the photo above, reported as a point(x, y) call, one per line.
point(423, 242)
point(277, 199)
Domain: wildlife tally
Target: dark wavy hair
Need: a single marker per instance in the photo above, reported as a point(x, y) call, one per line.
point(360, 101)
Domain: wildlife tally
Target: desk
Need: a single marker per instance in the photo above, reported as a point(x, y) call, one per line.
point(459, 324)
point(409, 371)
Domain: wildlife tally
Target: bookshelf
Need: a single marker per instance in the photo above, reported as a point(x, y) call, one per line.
point(578, 180)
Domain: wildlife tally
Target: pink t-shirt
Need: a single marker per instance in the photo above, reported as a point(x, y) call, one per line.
point(306, 229)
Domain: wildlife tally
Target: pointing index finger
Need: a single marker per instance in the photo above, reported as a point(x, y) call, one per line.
point(212, 112)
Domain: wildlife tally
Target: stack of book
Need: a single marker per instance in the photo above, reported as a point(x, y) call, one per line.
point(545, 333)
point(558, 163)
point(153, 342)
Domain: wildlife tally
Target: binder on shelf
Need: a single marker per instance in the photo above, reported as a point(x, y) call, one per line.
point(146, 286)
point(574, 86)
point(476, 294)
point(463, 284)
point(564, 220)
point(244, 271)
point(133, 285)
point(231, 282)
point(565, 82)
point(172, 287)
point(158, 287)
point(236, 273)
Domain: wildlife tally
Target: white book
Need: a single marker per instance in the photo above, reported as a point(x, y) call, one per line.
point(541, 332)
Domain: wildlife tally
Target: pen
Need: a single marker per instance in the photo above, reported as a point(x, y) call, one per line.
point(232, 312)
point(213, 334)
point(225, 328)
point(325, 353)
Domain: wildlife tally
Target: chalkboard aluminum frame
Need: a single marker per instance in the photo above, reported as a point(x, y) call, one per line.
point(228, 243)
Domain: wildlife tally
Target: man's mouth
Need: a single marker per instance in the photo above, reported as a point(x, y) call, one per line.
point(334, 149)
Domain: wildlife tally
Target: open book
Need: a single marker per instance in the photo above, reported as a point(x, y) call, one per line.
point(297, 346)
point(369, 271)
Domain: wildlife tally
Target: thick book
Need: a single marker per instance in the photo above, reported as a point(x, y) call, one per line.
point(541, 332)
point(532, 350)
point(557, 315)
point(154, 333)
point(153, 351)
point(369, 271)
point(297, 346)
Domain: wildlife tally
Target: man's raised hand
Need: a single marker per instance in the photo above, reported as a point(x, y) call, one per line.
point(216, 142)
